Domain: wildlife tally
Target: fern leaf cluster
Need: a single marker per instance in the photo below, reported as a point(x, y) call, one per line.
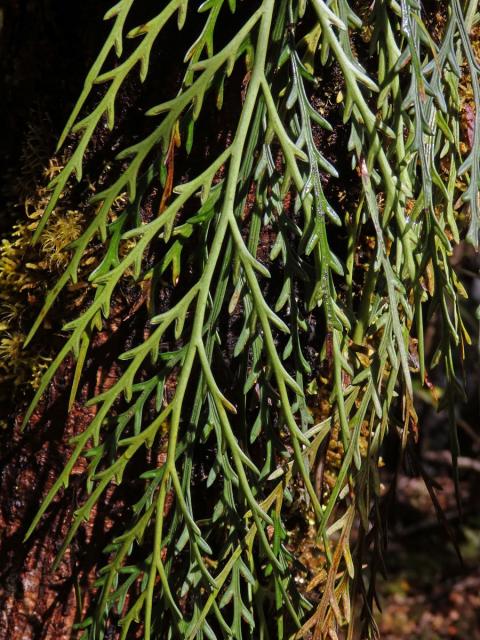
point(262, 240)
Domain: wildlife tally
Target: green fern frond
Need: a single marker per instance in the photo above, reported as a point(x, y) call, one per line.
point(312, 68)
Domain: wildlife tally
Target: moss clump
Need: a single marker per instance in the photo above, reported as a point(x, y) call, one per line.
point(26, 270)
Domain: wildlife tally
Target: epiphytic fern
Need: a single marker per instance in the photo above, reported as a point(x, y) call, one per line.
point(367, 268)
